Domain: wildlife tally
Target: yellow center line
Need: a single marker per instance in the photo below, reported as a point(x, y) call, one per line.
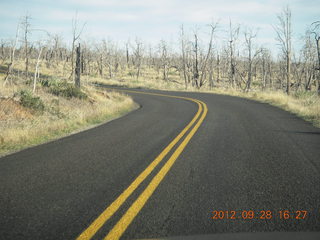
point(111, 209)
point(117, 231)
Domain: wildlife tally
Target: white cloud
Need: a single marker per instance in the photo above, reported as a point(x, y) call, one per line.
point(152, 20)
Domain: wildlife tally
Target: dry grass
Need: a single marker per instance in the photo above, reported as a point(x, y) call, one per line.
point(149, 78)
point(21, 127)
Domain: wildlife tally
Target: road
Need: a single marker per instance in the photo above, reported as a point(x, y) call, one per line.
point(241, 156)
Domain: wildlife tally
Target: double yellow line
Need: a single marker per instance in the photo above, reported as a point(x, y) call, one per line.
point(120, 227)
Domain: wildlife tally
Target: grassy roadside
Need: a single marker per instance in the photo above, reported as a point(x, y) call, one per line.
point(305, 105)
point(28, 119)
point(56, 110)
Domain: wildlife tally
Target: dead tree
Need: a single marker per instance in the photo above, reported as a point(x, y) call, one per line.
point(316, 33)
point(233, 36)
point(213, 27)
point(127, 55)
point(184, 61)
point(100, 53)
point(26, 28)
point(75, 36)
point(249, 36)
point(138, 58)
point(196, 62)
point(309, 61)
point(218, 68)
point(56, 45)
point(164, 58)
point(13, 50)
point(36, 72)
point(77, 70)
point(265, 61)
point(108, 48)
point(284, 35)
point(3, 56)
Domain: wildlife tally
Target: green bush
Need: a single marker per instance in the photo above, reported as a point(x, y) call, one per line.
point(46, 82)
point(29, 101)
point(67, 90)
point(131, 73)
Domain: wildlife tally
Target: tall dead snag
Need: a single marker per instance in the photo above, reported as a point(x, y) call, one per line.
point(26, 27)
point(233, 32)
point(196, 62)
point(101, 52)
point(316, 32)
point(2, 56)
point(213, 27)
point(75, 36)
point(164, 58)
point(10, 65)
point(36, 72)
point(138, 57)
point(183, 49)
point(249, 36)
point(284, 35)
point(265, 62)
point(127, 55)
point(78, 67)
point(218, 68)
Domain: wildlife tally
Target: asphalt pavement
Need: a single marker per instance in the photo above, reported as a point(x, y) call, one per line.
point(246, 169)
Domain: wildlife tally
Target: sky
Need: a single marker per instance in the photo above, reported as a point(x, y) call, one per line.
point(155, 20)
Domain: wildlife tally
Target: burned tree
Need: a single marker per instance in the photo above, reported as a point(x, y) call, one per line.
point(284, 35)
point(249, 37)
point(233, 36)
point(164, 59)
point(184, 60)
point(316, 33)
point(76, 33)
point(12, 57)
point(26, 28)
point(138, 57)
point(77, 70)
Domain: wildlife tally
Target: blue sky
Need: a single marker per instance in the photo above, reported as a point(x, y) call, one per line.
point(153, 20)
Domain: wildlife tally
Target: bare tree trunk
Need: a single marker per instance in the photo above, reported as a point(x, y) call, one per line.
point(11, 64)
point(204, 63)
point(284, 34)
point(218, 68)
point(127, 55)
point(318, 75)
point(249, 36)
point(26, 25)
point(317, 38)
point(77, 68)
point(75, 36)
point(196, 67)
point(138, 58)
point(288, 39)
point(233, 37)
point(36, 73)
point(183, 49)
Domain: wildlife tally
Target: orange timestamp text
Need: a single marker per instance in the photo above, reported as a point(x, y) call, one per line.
point(261, 214)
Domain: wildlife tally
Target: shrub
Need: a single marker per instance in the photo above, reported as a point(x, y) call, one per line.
point(131, 74)
point(46, 82)
point(67, 90)
point(29, 101)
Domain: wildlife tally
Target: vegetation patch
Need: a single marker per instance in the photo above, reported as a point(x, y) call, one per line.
point(65, 89)
point(29, 101)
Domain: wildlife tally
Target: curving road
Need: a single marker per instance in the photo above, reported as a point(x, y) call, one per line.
point(247, 159)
